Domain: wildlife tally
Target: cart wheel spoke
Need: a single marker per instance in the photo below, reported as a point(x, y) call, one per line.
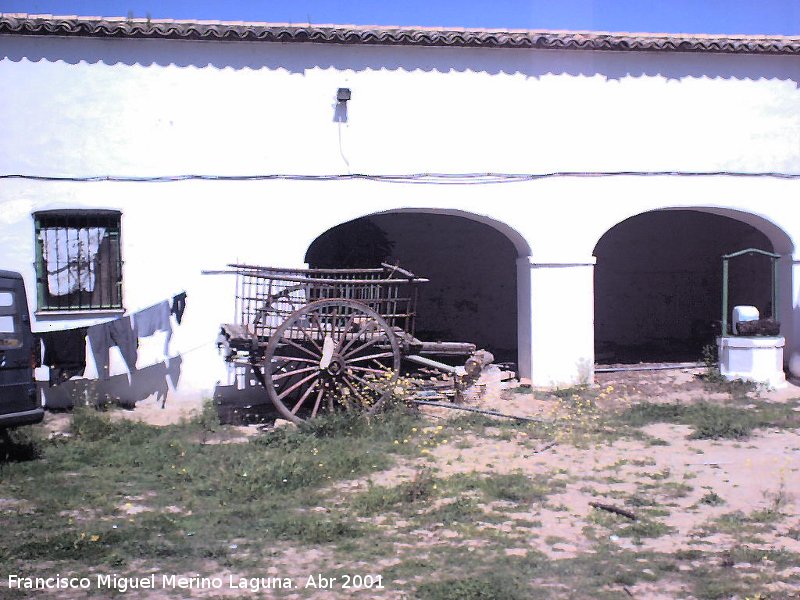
point(320, 329)
point(364, 334)
point(317, 401)
point(294, 386)
point(364, 401)
point(295, 359)
point(305, 395)
point(345, 329)
point(310, 339)
point(370, 357)
point(368, 342)
point(371, 386)
point(330, 397)
point(292, 373)
point(306, 350)
point(369, 370)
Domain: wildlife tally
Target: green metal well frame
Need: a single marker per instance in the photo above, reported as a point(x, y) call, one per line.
point(725, 260)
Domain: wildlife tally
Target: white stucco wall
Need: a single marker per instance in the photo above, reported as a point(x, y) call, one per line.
point(148, 108)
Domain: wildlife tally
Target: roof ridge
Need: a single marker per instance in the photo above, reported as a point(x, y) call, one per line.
point(80, 26)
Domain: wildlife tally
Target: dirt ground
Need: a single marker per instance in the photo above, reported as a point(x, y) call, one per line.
point(695, 484)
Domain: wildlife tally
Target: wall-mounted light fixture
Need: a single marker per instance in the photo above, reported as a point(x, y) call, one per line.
point(343, 94)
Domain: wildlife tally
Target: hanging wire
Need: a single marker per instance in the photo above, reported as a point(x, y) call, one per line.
point(413, 178)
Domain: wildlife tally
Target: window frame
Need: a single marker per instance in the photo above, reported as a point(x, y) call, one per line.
point(66, 219)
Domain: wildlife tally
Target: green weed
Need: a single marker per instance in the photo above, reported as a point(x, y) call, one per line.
point(495, 586)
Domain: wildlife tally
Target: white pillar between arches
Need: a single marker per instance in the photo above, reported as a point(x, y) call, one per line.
point(562, 322)
point(789, 287)
point(524, 316)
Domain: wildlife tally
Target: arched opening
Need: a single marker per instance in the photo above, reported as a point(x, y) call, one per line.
point(472, 267)
point(658, 283)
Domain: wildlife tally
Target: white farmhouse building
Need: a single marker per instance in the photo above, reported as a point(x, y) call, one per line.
point(569, 194)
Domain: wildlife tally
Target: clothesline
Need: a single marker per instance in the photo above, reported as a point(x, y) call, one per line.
point(173, 296)
point(65, 350)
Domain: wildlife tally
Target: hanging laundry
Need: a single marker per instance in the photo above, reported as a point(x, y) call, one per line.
point(114, 333)
point(152, 319)
point(178, 306)
point(124, 338)
point(100, 342)
point(64, 353)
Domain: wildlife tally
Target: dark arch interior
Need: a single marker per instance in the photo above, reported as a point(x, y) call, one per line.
point(472, 294)
point(658, 284)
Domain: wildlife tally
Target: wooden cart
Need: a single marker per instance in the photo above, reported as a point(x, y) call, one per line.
point(318, 339)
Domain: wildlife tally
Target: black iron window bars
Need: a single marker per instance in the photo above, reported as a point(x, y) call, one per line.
point(78, 260)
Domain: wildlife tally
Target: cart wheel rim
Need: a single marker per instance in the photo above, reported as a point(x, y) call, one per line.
point(328, 354)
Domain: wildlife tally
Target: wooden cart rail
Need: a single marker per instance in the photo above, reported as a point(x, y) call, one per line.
point(317, 280)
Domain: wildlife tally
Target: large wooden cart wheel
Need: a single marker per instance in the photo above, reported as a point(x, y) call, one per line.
point(331, 354)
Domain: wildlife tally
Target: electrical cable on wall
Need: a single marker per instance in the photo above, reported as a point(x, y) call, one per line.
point(418, 178)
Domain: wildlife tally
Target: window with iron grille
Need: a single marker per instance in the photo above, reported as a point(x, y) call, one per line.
point(78, 260)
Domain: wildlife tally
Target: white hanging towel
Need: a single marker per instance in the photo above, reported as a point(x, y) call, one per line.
point(69, 257)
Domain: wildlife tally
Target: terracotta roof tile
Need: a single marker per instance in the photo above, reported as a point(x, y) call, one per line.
point(73, 26)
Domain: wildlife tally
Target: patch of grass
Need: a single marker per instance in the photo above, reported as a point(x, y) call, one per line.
point(154, 535)
point(712, 422)
point(129, 497)
point(314, 528)
point(669, 490)
point(712, 499)
point(738, 389)
point(654, 441)
point(714, 381)
point(738, 523)
point(709, 421)
point(688, 554)
point(717, 589)
point(512, 487)
point(715, 421)
point(643, 527)
point(569, 392)
point(480, 424)
point(749, 554)
point(408, 496)
point(757, 571)
point(493, 586)
point(189, 498)
point(207, 420)
point(641, 500)
point(90, 425)
point(645, 413)
point(378, 499)
point(598, 574)
point(460, 510)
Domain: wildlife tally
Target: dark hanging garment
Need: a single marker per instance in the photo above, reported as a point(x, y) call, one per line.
point(100, 342)
point(178, 306)
point(64, 353)
point(114, 333)
point(150, 320)
point(124, 337)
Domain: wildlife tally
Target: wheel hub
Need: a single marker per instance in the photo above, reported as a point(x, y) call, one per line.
point(336, 367)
